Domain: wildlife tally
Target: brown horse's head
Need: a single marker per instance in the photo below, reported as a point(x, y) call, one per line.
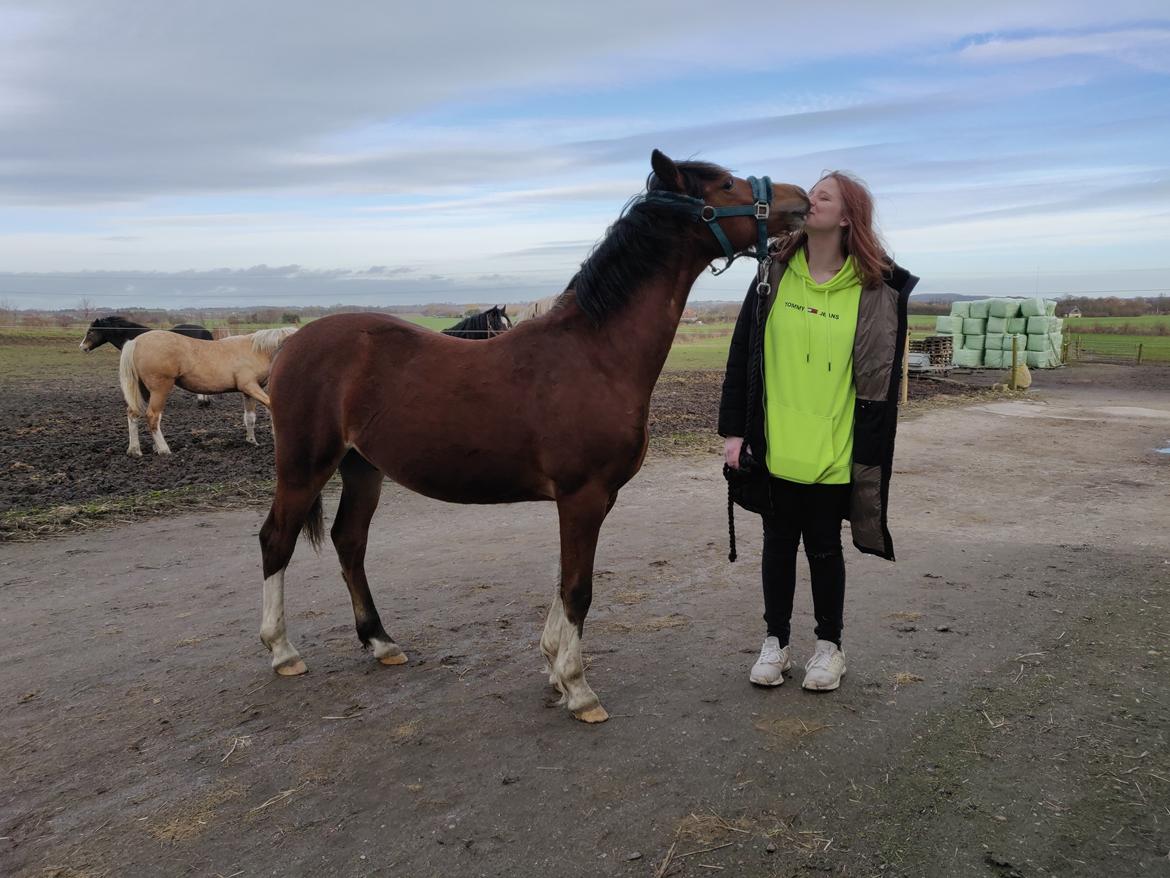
point(718, 187)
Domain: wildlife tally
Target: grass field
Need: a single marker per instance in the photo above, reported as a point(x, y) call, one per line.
point(51, 352)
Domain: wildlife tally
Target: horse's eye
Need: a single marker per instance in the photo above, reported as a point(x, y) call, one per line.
point(730, 184)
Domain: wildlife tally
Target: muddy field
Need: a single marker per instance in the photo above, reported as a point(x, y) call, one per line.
point(1005, 712)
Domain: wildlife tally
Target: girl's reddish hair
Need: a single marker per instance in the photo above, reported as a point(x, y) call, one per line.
point(859, 238)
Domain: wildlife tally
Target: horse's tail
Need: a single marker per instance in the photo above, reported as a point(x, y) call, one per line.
point(314, 526)
point(128, 377)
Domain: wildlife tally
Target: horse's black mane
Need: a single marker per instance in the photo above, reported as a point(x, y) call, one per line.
point(642, 242)
point(483, 325)
point(117, 322)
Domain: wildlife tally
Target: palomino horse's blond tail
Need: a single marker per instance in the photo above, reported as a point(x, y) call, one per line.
point(128, 376)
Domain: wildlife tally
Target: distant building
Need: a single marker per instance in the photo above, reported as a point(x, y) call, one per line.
point(1073, 312)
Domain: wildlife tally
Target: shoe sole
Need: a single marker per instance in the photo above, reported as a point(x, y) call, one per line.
point(836, 685)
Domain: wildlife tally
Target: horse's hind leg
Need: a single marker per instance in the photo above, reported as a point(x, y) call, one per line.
point(250, 419)
point(158, 401)
point(361, 488)
point(581, 515)
point(291, 508)
point(134, 449)
point(296, 504)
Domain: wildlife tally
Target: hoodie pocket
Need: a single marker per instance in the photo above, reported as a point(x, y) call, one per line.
point(800, 445)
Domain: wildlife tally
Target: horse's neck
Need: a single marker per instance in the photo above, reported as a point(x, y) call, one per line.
point(639, 336)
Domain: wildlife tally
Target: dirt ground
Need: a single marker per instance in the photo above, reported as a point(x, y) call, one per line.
point(1005, 712)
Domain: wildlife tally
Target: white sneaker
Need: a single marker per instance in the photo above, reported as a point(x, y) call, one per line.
point(770, 666)
point(826, 667)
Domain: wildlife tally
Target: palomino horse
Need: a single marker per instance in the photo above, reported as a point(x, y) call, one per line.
point(485, 324)
point(118, 330)
point(159, 360)
point(554, 409)
point(535, 309)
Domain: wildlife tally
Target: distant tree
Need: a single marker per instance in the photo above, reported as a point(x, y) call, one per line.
point(291, 317)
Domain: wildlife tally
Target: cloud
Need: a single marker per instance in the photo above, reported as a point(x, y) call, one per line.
point(1148, 48)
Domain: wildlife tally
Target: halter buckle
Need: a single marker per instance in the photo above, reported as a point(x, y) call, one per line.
point(707, 214)
point(763, 289)
point(763, 210)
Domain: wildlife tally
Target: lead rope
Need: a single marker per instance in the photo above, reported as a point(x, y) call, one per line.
point(763, 289)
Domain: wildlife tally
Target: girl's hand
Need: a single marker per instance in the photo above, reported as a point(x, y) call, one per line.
point(731, 448)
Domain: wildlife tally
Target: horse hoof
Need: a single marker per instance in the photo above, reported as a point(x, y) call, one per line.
point(398, 659)
point(293, 668)
point(135, 452)
point(595, 714)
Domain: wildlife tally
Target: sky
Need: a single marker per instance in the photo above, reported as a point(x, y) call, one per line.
point(186, 154)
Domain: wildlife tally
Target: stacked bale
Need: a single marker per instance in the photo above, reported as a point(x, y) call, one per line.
point(983, 332)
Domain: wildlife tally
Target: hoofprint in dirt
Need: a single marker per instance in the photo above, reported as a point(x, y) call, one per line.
point(1004, 713)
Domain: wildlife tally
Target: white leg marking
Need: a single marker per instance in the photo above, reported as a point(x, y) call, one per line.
point(160, 444)
point(134, 450)
point(285, 658)
point(569, 667)
point(250, 419)
point(550, 639)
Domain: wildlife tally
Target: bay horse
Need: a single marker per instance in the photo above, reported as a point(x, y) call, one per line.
point(158, 360)
point(118, 330)
point(555, 409)
point(486, 324)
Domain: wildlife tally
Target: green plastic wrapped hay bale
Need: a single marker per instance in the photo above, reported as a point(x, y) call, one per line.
point(993, 359)
point(1040, 325)
point(969, 359)
point(974, 326)
point(1050, 307)
point(973, 342)
point(948, 325)
point(993, 342)
point(996, 325)
point(1056, 343)
point(1057, 324)
point(1021, 342)
point(958, 341)
point(1032, 308)
point(1017, 325)
point(979, 309)
point(1040, 342)
point(960, 309)
point(1003, 308)
point(1041, 360)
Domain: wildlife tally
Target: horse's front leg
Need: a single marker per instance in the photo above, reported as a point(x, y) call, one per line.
point(581, 515)
point(250, 419)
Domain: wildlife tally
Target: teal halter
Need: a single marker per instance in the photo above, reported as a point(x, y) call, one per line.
point(703, 212)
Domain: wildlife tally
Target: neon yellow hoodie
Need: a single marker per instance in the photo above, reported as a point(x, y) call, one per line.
point(808, 375)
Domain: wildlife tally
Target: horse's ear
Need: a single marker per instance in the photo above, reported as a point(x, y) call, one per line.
point(666, 171)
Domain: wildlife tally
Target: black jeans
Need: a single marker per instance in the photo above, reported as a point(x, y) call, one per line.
point(814, 513)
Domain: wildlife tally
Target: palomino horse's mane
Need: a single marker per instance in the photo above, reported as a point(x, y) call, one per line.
point(638, 246)
point(268, 341)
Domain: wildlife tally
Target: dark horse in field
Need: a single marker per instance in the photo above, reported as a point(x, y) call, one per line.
point(555, 409)
point(486, 324)
point(118, 330)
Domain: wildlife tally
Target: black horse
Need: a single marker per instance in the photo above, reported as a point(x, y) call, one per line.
point(483, 325)
point(118, 330)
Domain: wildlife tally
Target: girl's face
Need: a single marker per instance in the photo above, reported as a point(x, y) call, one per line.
point(828, 210)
